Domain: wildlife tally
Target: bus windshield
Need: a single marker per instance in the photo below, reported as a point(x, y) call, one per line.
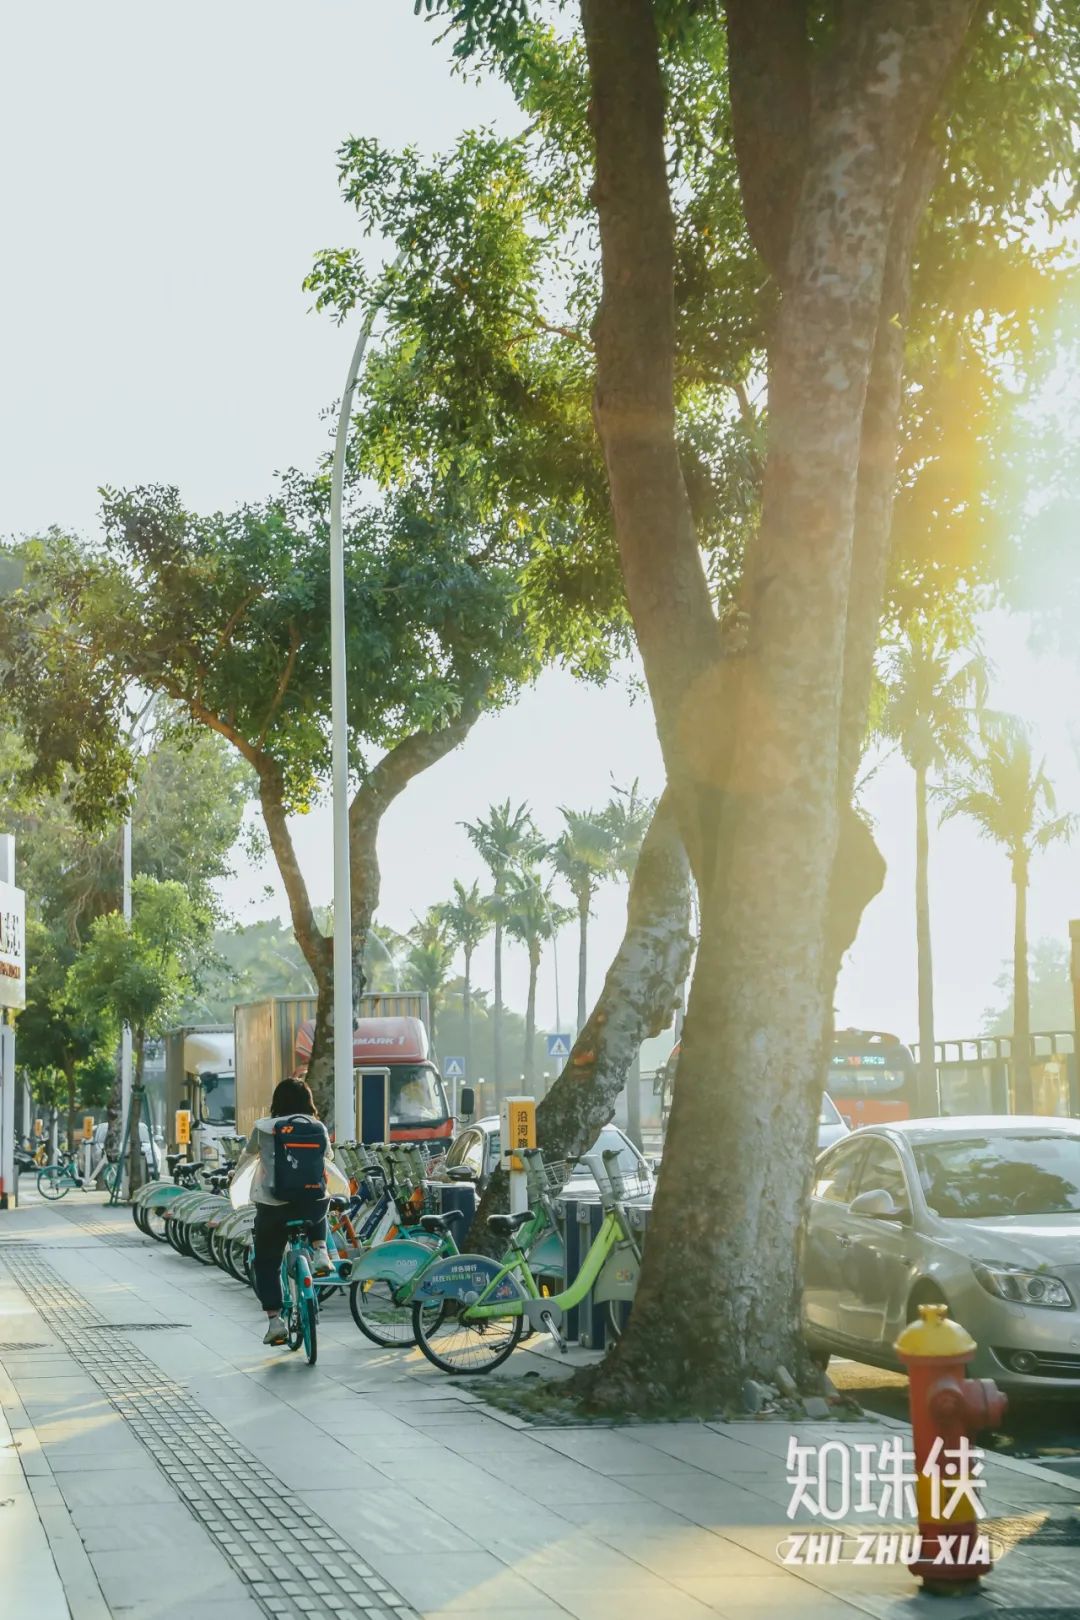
point(416, 1095)
point(871, 1077)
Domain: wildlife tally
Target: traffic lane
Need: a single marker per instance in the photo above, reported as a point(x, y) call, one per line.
point(1036, 1428)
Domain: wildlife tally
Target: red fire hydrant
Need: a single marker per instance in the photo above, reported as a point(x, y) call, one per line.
point(946, 1410)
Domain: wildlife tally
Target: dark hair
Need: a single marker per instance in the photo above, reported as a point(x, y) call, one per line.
point(292, 1097)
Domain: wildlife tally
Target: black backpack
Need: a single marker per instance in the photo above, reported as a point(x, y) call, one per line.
point(300, 1147)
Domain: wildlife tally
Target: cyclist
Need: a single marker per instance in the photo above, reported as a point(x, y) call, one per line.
point(292, 1112)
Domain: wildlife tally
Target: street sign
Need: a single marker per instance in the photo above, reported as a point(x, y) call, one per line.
point(518, 1129)
point(453, 1068)
point(12, 946)
point(558, 1046)
point(183, 1127)
point(87, 1127)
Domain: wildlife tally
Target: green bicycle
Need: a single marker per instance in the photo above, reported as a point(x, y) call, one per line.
point(485, 1304)
point(384, 1281)
point(298, 1290)
point(54, 1180)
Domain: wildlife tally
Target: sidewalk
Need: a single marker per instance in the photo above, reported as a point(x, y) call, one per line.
point(157, 1463)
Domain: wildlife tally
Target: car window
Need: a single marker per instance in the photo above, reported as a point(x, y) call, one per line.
point(838, 1173)
point(467, 1150)
point(882, 1171)
point(1001, 1174)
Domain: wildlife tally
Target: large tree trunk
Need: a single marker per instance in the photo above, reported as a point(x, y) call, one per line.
point(582, 961)
point(528, 1065)
point(69, 1076)
point(466, 1005)
point(638, 999)
point(136, 1166)
point(1023, 1093)
point(928, 1098)
point(751, 730)
point(496, 1019)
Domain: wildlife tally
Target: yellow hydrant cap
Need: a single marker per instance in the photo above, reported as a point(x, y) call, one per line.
point(935, 1334)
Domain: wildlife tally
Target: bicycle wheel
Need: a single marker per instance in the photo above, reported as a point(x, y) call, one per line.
point(456, 1345)
point(199, 1244)
point(111, 1176)
point(309, 1322)
point(155, 1224)
point(382, 1319)
point(53, 1181)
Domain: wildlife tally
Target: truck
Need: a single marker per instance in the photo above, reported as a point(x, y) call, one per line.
point(274, 1041)
point(200, 1076)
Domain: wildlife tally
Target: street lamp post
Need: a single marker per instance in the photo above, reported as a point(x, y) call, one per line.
point(344, 1101)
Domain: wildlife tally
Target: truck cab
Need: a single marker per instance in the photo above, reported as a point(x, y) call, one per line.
point(418, 1108)
point(200, 1074)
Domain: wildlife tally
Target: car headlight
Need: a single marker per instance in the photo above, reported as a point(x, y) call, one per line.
point(1023, 1287)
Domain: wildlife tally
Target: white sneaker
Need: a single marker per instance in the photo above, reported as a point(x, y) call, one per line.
point(276, 1331)
point(321, 1264)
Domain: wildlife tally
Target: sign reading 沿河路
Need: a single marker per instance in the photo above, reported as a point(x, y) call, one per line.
point(517, 1129)
point(12, 946)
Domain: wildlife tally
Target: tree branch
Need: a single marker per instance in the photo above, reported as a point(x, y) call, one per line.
point(283, 681)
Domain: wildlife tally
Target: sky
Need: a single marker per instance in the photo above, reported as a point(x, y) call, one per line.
point(170, 176)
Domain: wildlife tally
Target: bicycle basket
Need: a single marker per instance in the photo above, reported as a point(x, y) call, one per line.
point(634, 1184)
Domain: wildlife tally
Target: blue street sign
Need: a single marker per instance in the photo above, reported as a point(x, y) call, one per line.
point(453, 1068)
point(558, 1046)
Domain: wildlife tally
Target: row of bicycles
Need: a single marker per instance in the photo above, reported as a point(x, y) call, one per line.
point(396, 1255)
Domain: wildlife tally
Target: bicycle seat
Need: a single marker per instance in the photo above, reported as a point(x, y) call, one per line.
point(504, 1225)
point(337, 1202)
point(441, 1223)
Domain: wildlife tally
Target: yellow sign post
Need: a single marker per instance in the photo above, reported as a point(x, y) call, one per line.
point(517, 1131)
point(87, 1127)
point(183, 1126)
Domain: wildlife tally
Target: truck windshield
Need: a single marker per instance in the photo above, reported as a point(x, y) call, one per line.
point(218, 1099)
point(416, 1095)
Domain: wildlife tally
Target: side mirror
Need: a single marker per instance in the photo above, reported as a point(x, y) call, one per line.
point(877, 1205)
point(467, 1102)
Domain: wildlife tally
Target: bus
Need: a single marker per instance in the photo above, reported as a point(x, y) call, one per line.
point(872, 1077)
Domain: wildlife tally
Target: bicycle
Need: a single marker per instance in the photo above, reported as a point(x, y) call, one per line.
point(56, 1180)
point(486, 1303)
point(298, 1291)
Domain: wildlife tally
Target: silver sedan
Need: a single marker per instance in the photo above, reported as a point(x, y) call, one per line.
point(982, 1213)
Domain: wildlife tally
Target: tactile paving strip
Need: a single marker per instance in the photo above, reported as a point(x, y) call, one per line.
point(242, 1505)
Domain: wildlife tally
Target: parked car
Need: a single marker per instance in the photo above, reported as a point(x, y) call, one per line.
point(831, 1125)
point(475, 1149)
point(101, 1130)
point(979, 1213)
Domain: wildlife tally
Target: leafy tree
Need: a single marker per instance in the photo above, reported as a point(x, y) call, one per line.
point(226, 616)
point(929, 700)
point(532, 919)
point(386, 958)
point(1051, 992)
point(1006, 792)
point(246, 963)
point(888, 311)
point(626, 819)
point(581, 856)
point(139, 973)
point(506, 841)
point(469, 922)
point(60, 1037)
point(431, 955)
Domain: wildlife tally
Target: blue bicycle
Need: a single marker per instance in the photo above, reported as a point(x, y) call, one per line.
point(298, 1290)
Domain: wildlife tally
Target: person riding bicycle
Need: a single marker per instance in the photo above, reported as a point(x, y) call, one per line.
point(289, 1150)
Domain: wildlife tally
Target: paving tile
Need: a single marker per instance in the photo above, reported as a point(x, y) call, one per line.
point(133, 1578)
point(466, 1582)
point(114, 1487)
point(169, 1525)
point(388, 1521)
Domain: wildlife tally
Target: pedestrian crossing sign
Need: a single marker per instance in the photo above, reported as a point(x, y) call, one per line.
point(453, 1068)
point(558, 1046)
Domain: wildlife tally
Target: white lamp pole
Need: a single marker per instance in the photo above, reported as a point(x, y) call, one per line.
point(344, 1098)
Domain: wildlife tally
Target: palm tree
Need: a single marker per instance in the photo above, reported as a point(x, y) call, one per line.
point(627, 818)
point(530, 917)
point(506, 841)
point(469, 922)
point(431, 956)
point(926, 704)
point(1010, 798)
point(582, 857)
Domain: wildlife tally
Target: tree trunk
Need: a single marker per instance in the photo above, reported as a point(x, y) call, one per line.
point(638, 999)
point(320, 1069)
point(466, 1007)
point(633, 1101)
point(114, 1108)
point(582, 961)
point(496, 1018)
point(528, 1067)
point(136, 1162)
point(69, 1076)
point(433, 1014)
point(1023, 1093)
point(928, 1091)
point(750, 727)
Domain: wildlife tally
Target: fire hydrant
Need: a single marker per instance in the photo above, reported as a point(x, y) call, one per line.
point(946, 1410)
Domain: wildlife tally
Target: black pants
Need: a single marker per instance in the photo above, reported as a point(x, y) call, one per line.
point(271, 1236)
